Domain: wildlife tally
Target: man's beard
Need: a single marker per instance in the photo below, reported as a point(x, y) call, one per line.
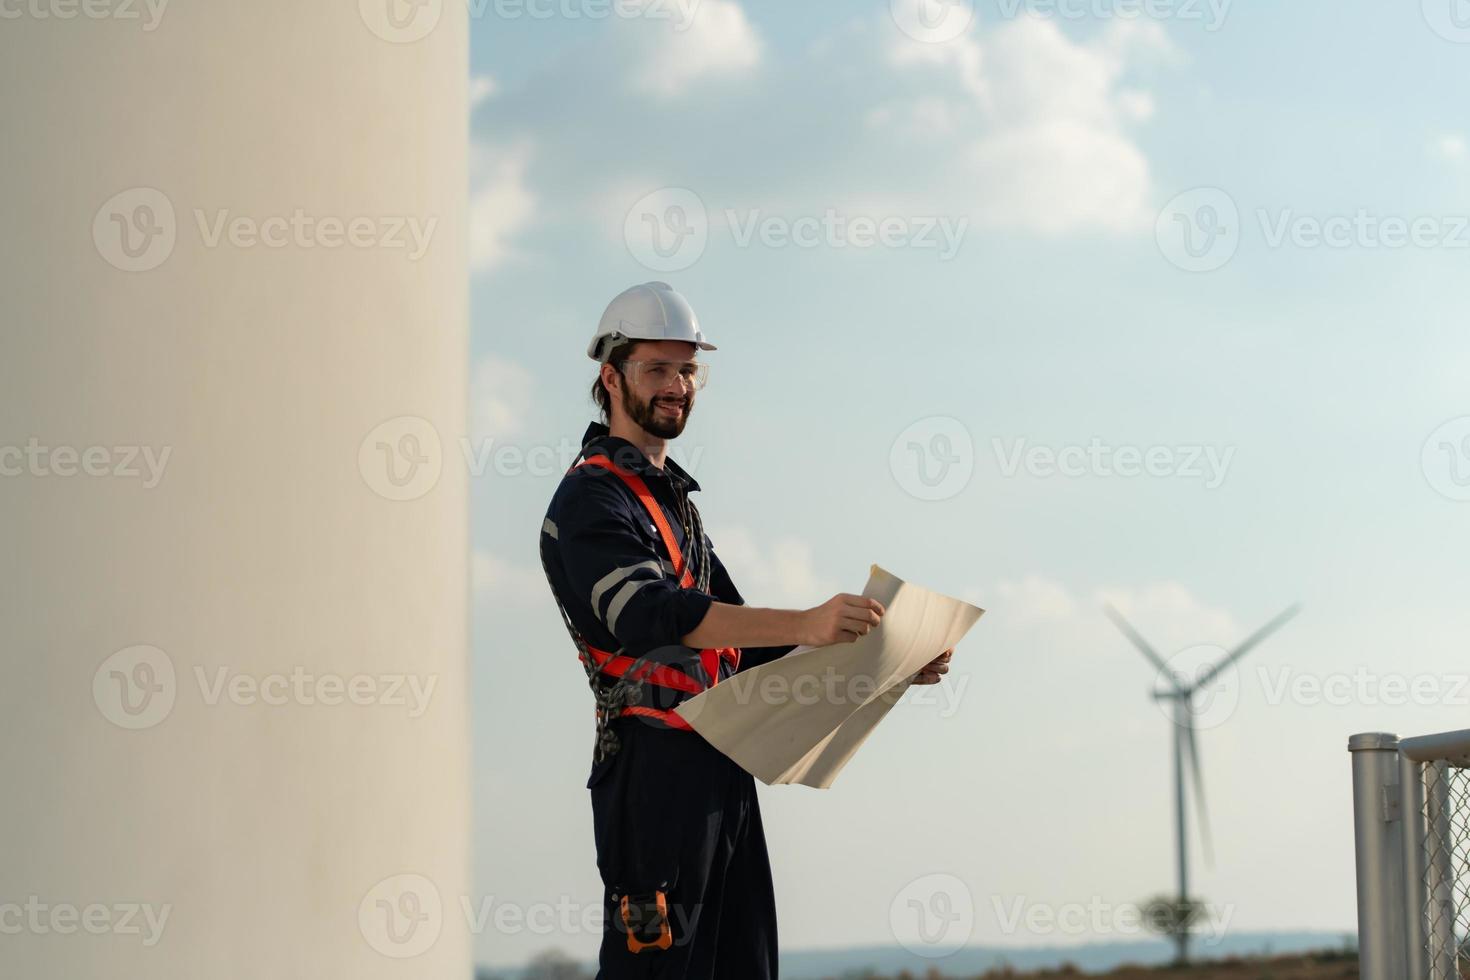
point(646, 415)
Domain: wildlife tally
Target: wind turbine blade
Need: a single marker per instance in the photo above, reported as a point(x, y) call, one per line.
point(1249, 644)
point(1127, 630)
point(1199, 787)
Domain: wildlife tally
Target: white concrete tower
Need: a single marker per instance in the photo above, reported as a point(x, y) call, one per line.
point(233, 596)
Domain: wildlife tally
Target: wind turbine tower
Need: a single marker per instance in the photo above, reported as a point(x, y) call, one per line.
point(1180, 691)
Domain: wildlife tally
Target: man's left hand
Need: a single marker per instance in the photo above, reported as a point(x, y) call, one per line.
point(934, 670)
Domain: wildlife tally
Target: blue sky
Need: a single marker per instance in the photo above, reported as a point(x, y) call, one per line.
point(1076, 157)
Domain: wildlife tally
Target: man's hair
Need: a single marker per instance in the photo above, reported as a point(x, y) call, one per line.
point(600, 394)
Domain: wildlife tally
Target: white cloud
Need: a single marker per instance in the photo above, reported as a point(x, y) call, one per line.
point(1015, 125)
point(963, 58)
point(1135, 105)
point(497, 580)
point(500, 393)
point(930, 114)
point(1166, 613)
point(1171, 615)
point(1041, 121)
point(1452, 147)
point(500, 204)
point(778, 573)
point(1059, 176)
point(716, 41)
point(482, 87)
point(1032, 599)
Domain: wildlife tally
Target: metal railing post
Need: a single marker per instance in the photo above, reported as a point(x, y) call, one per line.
point(1379, 840)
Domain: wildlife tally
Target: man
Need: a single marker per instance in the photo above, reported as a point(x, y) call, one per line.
point(656, 619)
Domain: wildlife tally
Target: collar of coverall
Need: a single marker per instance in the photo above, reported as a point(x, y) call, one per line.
point(630, 457)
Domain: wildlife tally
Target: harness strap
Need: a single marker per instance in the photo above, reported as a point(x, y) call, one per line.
point(667, 717)
point(618, 665)
point(650, 504)
point(709, 659)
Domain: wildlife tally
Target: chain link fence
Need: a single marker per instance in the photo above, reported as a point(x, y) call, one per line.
point(1446, 877)
point(1411, 817)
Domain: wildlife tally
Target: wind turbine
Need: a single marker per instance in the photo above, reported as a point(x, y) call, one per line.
point(1181, 692)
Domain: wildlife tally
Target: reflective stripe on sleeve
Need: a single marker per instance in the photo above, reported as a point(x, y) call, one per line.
point(615, 576)
point(615, 608)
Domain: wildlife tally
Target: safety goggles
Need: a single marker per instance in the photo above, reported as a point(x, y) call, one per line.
point(661, 374)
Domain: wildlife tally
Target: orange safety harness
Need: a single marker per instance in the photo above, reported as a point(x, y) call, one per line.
point(625, 670)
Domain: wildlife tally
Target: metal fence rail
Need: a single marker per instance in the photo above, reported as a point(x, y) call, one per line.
point(1411, 819)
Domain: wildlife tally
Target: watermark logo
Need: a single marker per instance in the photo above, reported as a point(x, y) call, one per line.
point(1208, 464)
point(1216, 694)
point(828, 685)
point(1363, 229)
point(135, 230)
point(934, 458)
point(679, 12)
point(1446, 459)
point(402, 916)
point(1211, 12)
point(540, 460)
point(40, 918)
point(1097, 917)
point(42, 460)
point(406, 21)
point(933, 916)
point(135, 688)
point(402, 458)
point(409, 234)
point(836, 229)
point(149, 12)
point(1450, 19)
point(412, 692)
point(933, 21)
point(401, 21)
point(1199, 230)
point(667, 230)
point(138, 687)
point(1363, 688)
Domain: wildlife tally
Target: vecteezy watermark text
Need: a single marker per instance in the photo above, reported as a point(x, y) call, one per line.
point(835, 229)
point(137, 229)
point(830, 685)
point(1201, 229)
point(1096, 917)
point(149, 12)
point(306, 688)
point(40, 918)
point(138, 686)
point(1098, 459)
point(1211, 12)
point(406, 21)
point(121, 462)
point(1363, 687)
point(408, 233)
point(404, 915)
point(402, 458)
point(1363, 229)
point(668, 230)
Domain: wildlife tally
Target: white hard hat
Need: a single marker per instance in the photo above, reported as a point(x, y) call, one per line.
point(651, 311)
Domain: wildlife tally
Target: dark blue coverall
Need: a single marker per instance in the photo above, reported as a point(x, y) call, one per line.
point(669, 811)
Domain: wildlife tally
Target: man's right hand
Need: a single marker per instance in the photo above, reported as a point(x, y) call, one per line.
point(841, 619)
